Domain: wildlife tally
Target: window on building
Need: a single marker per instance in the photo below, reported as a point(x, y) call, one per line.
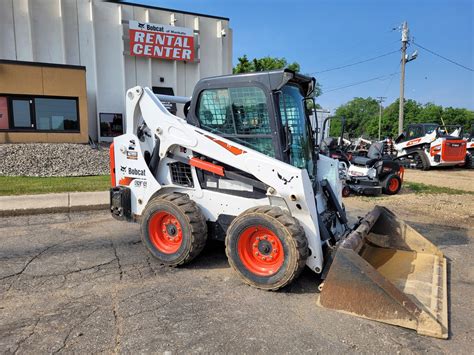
point(39, 113)
point(239, 114)
point(56, 114)
point(111, 124)
point(4, 118)
point(21, 113)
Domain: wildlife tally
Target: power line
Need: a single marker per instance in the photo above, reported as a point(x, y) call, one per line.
point(356, 63)
point(391, 80)
point(359, 82)
point(439, 55)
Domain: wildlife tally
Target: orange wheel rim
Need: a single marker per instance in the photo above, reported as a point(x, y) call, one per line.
point(260, 251)
point(393, 185)
point(165, 232)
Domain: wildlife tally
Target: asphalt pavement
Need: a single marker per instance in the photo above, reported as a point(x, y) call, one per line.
point(83, 282)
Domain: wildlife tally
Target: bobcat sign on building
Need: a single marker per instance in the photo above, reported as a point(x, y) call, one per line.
point(66, 65)
point(161, 41)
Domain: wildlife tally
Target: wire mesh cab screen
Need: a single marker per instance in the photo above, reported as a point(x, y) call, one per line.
point(239, 114)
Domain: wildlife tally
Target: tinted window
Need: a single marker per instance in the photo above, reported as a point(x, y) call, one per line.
point(414, 132)
point(293, 113)
point(111, 124)
point(56, 114)
point(21, 113)
point(239, 114)
point(4, 124)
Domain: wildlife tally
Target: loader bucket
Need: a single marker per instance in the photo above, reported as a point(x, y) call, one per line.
point(388, 272)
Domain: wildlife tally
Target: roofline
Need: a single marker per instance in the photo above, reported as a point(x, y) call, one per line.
point(40, 64)
point(167, 9)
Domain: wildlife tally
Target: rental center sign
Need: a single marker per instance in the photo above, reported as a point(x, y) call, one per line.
point(161, 41)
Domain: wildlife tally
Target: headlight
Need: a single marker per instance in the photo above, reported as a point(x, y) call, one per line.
point(372, 173)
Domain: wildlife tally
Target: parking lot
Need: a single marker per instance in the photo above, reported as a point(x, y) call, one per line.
point(84, 282)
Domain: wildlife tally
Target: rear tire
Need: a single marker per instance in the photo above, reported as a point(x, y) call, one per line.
point(267, 247)
point(346, 191)
point(392, 184)
point(469, 164)
point(173, 229)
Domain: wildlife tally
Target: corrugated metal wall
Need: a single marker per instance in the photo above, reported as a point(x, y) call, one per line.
point(94, 34)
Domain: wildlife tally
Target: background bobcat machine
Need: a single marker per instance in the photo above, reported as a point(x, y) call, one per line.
point(367, 175)
point(425, 145)
point(244, 167)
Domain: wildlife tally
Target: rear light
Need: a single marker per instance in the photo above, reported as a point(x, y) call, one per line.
point(113, 180)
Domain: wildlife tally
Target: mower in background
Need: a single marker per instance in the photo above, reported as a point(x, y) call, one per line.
point(372, 174)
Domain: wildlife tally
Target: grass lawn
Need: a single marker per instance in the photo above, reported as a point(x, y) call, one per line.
point(431, 189)
point(23, 185)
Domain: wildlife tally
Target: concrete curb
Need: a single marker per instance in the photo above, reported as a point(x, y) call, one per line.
point(52, 203)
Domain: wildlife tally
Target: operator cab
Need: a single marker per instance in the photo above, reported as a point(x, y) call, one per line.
point(265, 111)
point(418, 130)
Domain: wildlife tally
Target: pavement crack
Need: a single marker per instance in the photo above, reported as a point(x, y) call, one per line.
point(68, 334)
point(118, 261)
point(28, 263)
point(22, 341)
point(118, 325)
point(149, 265)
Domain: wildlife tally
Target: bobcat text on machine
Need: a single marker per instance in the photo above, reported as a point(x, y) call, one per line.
point(243, 168)
point(426, 145)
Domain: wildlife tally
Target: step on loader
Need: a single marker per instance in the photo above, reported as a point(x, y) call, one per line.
point(242, 167)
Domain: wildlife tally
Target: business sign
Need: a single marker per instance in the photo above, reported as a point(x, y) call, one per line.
point(161, 41)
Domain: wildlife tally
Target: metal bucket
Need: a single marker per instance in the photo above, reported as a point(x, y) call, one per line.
point(388, 272)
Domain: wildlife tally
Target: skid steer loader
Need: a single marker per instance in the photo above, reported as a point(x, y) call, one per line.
point(243, 168)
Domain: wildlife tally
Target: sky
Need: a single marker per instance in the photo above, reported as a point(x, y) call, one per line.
point(324, 34)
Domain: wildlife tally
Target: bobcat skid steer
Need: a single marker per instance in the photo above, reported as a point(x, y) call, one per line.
point(426, 145)
point(243, 168)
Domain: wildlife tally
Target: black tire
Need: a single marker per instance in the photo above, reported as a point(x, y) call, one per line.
point(469, 162)
point(283, 229)
point(392, 184)
point(425, 163)
point(346, 191)
point(190, 227)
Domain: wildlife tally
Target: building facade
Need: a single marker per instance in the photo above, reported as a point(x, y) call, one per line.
point(108, 46)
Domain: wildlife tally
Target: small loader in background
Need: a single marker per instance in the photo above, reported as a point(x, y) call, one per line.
point(243, 167)
point(427, 145)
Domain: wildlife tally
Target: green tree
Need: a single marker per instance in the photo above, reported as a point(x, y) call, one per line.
point(269, 63)
point(359, 113)
point(362, 117)
point(243, 66)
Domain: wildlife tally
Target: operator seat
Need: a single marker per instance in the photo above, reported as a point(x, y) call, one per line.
point(374, 154)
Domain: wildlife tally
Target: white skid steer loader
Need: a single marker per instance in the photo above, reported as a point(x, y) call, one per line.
point(242, 167)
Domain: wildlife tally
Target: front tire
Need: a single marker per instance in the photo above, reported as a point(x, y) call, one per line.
point(392, 184)
point(267, 247)
point(423, 162)
point(173, 229)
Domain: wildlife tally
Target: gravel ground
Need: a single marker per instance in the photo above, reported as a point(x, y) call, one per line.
point(442, 209)
point(455, 178)
point(53, 159)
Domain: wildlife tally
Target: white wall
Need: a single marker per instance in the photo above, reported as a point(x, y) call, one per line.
point(94, 33)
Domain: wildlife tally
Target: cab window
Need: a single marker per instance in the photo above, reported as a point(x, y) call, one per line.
point(414, 132)
point(239, 114)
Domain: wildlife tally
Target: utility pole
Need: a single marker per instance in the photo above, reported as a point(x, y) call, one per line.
point(402, 78)
point(380, 99)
